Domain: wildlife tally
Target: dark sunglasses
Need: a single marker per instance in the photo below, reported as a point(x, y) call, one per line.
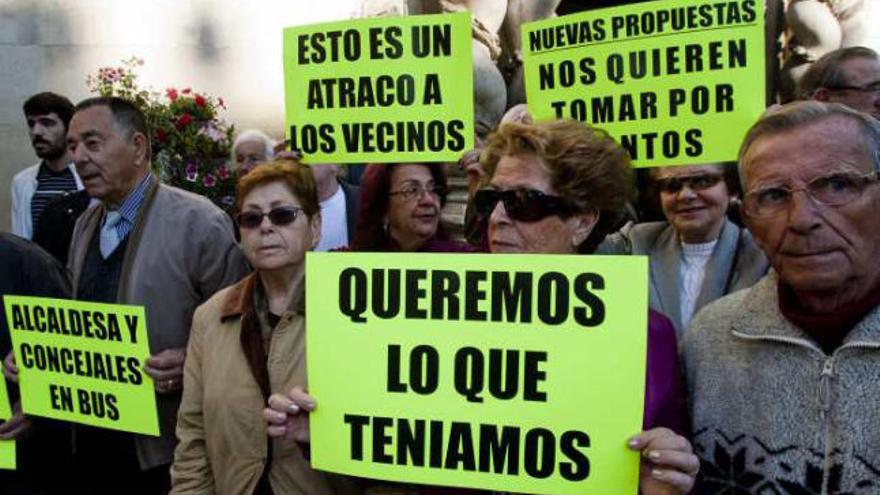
point(281, 216)
point(699, 182)
point(524, 205)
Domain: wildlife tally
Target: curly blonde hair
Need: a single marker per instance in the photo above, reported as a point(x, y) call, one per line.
point(587, 168)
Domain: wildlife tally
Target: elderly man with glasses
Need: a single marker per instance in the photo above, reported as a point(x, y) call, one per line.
point(850, 76)
point(783, 379)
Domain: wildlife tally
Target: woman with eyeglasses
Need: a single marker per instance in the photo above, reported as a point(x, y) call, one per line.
point(557, 188)
point(400, 210)
point(697, 255)
point(248, 341)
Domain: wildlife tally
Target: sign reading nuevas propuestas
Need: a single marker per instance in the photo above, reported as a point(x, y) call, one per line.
point(675, 82)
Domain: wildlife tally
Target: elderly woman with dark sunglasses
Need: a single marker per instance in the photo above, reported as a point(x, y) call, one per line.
point(248, 341)
point(698, 254)
point(558, 188)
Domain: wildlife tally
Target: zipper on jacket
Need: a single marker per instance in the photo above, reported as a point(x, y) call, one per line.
point(825, 387)
point(824, 407)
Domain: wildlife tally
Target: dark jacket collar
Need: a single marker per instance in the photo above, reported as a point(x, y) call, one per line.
point(240, 298)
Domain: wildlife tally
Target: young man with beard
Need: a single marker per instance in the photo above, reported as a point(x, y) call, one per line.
point(33, 188)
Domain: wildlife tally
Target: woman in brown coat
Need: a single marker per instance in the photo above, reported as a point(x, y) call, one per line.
point(248, 341)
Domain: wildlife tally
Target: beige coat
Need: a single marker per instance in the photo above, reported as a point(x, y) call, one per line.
point(223, 440)
point(181, 251)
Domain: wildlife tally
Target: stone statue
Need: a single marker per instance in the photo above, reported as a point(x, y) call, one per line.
point(498, 75)
point(816, 27)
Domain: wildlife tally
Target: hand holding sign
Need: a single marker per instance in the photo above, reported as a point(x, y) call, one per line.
point(668, 465)
point(288, 415)
point(16, 426)
point(166, 369)
point(8, 429)
point(10, 370)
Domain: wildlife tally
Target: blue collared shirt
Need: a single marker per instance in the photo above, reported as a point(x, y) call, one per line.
point(130, 207)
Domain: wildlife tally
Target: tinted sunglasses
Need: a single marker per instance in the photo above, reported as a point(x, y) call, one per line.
point(524, 205)
point(699, 182)
point(281, 216)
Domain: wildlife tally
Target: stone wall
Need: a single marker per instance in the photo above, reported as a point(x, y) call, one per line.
point(228, 48)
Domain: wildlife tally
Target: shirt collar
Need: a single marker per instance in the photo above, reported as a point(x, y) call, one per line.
point(132, 203)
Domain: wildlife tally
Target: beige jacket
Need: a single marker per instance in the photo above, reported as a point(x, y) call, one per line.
point(223, 441)
point(181, 251)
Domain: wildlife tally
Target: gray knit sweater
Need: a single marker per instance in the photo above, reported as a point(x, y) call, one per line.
point(771, 413)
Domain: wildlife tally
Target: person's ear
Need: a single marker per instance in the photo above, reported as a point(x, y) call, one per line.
point(822, 94)
point(141, 144)
point(584, 223)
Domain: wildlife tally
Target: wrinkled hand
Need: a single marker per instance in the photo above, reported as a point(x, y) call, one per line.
point(280, 146)
point(289, 155)
point(16, 426)
point(470, 164)
point(10, 370)
point(288, 415)
point(668, 466)
point(166, 369)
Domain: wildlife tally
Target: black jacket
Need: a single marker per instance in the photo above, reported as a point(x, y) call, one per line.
point(55, 226)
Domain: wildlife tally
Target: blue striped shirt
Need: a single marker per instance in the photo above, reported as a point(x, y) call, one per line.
point(130, 207)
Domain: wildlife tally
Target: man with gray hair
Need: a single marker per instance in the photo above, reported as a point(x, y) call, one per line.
point(148, 244)
point(783, 379)
point(251, 147)
point(850, 76)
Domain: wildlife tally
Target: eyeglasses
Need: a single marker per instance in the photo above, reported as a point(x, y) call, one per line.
point(673, 185)
point(873, 87)
point(413, 191)
point(524, 205)
point(830, 190)
point(281, 216)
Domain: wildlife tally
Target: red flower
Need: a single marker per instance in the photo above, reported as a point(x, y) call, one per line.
point(200, 101)
point(184, 120)
point(186, 91)
point(171, 93)
point(160, 135)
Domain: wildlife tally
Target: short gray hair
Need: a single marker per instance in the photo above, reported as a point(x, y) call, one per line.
point(804, 113)
point(255, 135)
point(827, 73)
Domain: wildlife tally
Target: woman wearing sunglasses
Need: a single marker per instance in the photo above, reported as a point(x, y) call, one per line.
point(557, 188)
point(698, 254)
point(400, 210)
point(247, 341)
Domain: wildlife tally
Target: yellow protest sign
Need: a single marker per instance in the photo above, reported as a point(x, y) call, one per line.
point(518, 373)
point(7, 447)
point(389, 89)
point(83, 362)
point(674, 82)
